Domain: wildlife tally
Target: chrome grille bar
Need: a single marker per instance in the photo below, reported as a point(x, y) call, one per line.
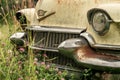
point(51, 39)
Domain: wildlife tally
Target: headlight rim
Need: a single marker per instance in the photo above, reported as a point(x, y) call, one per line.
point(107, 24)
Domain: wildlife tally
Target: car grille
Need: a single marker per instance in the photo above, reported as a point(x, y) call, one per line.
point(57, 58)
point(51, 40)
point(44, 39)
point(60, 59)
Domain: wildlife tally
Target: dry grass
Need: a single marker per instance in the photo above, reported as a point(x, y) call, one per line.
point(4, 32)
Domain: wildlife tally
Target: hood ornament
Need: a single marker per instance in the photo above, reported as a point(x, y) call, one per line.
point(41, 12)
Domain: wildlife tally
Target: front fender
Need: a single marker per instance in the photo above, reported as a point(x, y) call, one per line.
point(112, 9)
point(19, 39)
point(25, 16)
point(28, 13)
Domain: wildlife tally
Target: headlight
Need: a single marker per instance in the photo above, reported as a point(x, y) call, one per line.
point(100, 22)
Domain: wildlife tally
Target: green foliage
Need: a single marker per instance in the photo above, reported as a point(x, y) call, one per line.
point(6, 11)
point(16, 65)
point(9, 7)
point(22, 65)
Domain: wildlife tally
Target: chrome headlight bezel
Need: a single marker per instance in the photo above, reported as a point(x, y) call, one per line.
point(100, 22)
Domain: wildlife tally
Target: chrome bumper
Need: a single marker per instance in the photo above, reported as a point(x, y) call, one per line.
point(18, 38)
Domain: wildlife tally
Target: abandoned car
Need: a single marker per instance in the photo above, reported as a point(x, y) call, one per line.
point(79, 32)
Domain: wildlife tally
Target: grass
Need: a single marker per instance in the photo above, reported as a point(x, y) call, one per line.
point(22, 65)
point(19, 65)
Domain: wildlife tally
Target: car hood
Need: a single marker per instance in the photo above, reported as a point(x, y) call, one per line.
point(113, 10)
point(72, 13)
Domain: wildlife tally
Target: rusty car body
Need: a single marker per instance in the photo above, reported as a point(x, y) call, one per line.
point(85, 31)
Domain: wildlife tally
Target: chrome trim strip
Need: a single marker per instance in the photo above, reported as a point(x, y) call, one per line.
point(56, 29)
point(93, 44)
point(106, 46)
point(53, 50)
point(89, 38)
point(67, 68)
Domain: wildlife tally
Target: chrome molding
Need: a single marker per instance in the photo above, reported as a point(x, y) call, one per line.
point(56, 29)
point(93, 44)
point(37, 48)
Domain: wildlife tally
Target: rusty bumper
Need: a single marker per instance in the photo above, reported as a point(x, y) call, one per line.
point(96, 60)
point(91, 58)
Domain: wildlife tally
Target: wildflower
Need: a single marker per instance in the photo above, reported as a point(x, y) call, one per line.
point(36, 60)
point(59, 73)
point(48, 66)
point(42, 63)
point(3, 44)
point(20, 79)
point(45, 55)
point(43, 79)
point(11, 72)
point(19, 67)
point(35, 63)
point(36, 72)
point(10, 51)
point(62, 79)
point(97, 74)
point(19, 62)
point(21, 49)
point(56, 69)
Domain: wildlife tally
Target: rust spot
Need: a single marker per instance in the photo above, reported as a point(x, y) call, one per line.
point(65, 2)
point(59, 1)
point(87, 52)
point(96, 1)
